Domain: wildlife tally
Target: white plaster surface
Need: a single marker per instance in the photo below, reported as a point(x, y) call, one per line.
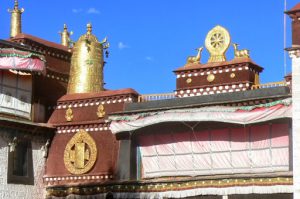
point(17, 191)
point(296, 124)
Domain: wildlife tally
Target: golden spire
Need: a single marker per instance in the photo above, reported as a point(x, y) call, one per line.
point(65, 36)
point(86, 73)
point(16, 22)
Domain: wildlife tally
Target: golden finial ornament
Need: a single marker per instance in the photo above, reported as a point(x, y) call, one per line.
point(65, 36)
point(69, 115)
point(100, 111)
point(217, 43)
point(16, 21)
point(195, 59)
point(240, 53)
point(86, 73)
point(80, 154)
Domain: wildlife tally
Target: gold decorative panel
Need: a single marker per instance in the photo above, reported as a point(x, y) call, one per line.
point(217, 43)
point(80, 153)
point(69, 115)
point(100, 111)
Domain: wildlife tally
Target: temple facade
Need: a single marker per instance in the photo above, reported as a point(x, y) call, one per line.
point(220, 135)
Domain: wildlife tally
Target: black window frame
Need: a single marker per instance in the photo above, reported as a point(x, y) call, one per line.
point(13, 178)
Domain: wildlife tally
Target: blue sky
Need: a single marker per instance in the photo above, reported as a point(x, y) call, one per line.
point(150, 39)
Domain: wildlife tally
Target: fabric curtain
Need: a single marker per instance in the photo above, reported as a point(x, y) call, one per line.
point(18, 63)
point(255, 149)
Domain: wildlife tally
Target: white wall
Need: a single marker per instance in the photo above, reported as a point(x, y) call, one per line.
point(11, 191)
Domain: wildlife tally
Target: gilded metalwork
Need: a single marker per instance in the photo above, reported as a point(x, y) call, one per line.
point(86, 73)
point(217, 43)
point(100, 111)
point(16, 21)
point(189, 80)
point(210, 78)
point(256, 79)
point(240, 53)
point(65, 36)
point(232, 75)
point(69, 115)
point(195, 59)
point(80, 153)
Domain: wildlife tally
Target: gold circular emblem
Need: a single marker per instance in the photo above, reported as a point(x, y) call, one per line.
point(80, 153)
point(232, 75)
point(210, 77)
point(217, 42)
point(189, 80)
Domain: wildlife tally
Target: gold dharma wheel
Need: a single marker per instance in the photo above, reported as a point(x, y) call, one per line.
point(217, 43)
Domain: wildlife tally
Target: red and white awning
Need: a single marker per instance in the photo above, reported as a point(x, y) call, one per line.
point(13, 59)
point(237, 115)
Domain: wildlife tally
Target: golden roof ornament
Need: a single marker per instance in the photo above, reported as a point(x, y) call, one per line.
point(217, 43)
point(195, 59)
point(240, 53)
point(80, 153)
point(69, 115)
point(86, 73)
point(100, 111)
point(65, 36)
point(16, 21)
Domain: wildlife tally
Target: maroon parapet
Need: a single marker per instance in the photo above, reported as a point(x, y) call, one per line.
point(294, 14)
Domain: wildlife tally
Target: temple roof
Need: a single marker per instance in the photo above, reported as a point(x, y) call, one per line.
point(46, 43)
point(86, 96)
point(295, 9)
point(217, 64)
point(208, 100)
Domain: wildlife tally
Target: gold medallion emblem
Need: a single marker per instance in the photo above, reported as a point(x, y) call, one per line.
point(232, 75)
point(210, 77)
point(80, 153)
point(189, 80)
point(217, 42)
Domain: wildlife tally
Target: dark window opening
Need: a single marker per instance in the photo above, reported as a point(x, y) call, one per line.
point(20, 165)
point(20, 159)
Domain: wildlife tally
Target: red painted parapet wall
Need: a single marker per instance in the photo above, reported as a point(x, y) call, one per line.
point(84, 108)
point(193, 151)
point(212, 78)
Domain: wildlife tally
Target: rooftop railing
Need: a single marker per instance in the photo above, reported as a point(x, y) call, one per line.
point(269, 85)
point(153, 97)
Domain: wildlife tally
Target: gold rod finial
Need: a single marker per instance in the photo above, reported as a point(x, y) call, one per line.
point(16, 22)
point(16, 4)
point(65, 36)
point(89, 28)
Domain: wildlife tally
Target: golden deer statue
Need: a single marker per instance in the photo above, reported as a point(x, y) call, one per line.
point(240, 53)
point(195, 59)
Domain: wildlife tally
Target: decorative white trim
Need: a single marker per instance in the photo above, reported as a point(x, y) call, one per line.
point(76, 178)
point(212, 90)
point(94, 103)
point(73, 130)
point(214, 71)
